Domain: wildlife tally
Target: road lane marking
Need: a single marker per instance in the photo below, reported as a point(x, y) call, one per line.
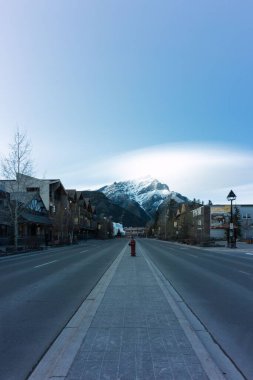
point(193, 255)
point(61, 354)
point(248, 253)
point(42, 265)
point(247, 273)
point(84, 251)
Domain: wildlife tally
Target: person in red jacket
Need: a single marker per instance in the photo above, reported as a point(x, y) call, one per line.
point(132, 245)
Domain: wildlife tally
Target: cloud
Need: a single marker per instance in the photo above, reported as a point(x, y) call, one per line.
point(202, 171)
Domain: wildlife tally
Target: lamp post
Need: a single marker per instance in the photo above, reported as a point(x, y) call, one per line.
point(231, 242)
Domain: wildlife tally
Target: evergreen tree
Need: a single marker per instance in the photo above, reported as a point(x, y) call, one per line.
point(237, 221)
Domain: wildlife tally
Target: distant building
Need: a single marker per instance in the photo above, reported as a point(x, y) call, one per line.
point(135, 231)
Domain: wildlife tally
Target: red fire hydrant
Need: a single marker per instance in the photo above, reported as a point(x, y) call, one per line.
point(132, 245)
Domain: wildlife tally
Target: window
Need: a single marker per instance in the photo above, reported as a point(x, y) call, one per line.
point(33, 189)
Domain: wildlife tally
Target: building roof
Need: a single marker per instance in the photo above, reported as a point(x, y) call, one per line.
point(22, 196)
point(34, 218)
point(71, 193)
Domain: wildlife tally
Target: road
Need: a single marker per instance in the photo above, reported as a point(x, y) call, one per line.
point(217, 285)
point(39, 293)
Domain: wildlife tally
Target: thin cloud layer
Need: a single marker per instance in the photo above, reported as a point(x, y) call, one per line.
point(197, 171)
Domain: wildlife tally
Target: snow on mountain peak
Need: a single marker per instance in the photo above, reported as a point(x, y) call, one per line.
point(148, 192)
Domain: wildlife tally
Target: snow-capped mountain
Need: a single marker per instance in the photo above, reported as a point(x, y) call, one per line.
point(105, 207)
point(147, 192)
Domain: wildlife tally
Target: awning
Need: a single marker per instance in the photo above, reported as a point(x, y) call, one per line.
point(36, 219)
point(87, 228)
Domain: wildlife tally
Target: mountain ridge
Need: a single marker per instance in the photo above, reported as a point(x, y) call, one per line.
point(105, 207)
point(148, 193)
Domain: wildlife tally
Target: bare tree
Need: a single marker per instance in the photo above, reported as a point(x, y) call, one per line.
point(15, 168)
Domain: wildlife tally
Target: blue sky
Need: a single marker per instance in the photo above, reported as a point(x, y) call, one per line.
point(112, 90)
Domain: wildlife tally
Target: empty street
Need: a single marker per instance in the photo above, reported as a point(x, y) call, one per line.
point(217, 285)
point(41, 291)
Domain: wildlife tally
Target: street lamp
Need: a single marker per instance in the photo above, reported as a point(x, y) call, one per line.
point(231, 242)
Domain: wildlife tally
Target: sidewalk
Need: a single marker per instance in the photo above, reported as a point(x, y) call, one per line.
point(132, 333)
point(243, 246)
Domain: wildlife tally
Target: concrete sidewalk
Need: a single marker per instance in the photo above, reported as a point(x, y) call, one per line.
point(128, 328)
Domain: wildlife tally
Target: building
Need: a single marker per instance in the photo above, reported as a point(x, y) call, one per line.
point(213, 222)
point(25, 213)
point(52, 191)
point(135, 231)
point(64, 210)
point(34, 224)
point(246, 222)
point(200, 230)
point(82, 215)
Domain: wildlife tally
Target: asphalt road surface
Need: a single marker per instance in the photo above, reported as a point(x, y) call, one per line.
point(39, 293)
point(217, 285)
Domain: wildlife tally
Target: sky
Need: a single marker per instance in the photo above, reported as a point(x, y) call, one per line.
point(116, 90)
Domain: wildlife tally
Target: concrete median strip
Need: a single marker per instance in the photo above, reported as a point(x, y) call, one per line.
point(58, 359)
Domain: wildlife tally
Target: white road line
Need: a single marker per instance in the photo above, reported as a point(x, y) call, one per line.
point(193, 255)
point(42, 265)
point(248, 253)
point(247, 273)
point(84, 251)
